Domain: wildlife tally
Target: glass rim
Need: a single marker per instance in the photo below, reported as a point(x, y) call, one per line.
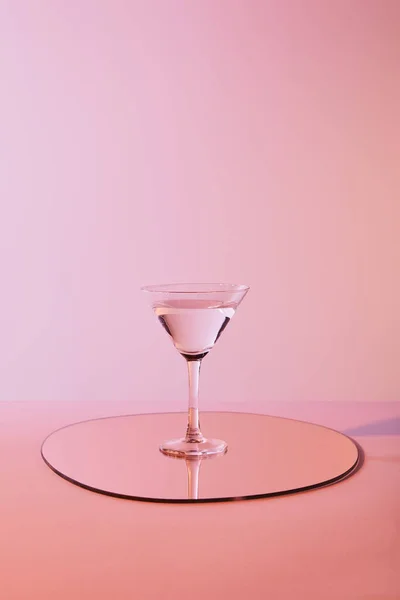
point(195, 288)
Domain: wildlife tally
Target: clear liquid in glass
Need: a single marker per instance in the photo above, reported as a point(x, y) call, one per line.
point(194, 325)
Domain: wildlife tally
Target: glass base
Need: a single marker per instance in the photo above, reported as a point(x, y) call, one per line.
point(180, 448)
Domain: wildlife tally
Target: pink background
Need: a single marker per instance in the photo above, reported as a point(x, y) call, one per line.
point(150, 141)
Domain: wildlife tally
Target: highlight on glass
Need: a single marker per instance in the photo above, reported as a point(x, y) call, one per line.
point(194, 315)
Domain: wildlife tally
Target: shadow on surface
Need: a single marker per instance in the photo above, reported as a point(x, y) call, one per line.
point(386, 427)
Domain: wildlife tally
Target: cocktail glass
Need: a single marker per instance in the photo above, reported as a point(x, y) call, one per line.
point(194, 315)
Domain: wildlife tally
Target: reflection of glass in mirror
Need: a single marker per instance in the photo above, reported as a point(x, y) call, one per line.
point(193, 471)
point(194, 316)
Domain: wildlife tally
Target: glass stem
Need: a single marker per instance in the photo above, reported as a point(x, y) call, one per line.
point(193, 433)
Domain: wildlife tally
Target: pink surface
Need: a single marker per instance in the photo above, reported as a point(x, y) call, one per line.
point(251, 141)
point(59, 541)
